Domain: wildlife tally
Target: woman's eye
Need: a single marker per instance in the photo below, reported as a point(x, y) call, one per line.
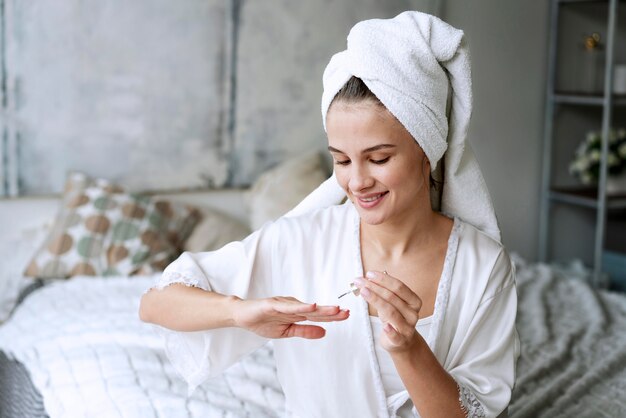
point(345, 162)
point(383, 161)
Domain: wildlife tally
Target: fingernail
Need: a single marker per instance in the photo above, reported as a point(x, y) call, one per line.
point(359, 282)
point(370, 275)
point(365, 292)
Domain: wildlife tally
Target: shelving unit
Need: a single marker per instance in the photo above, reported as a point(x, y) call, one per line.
point(585, 198)
point(589, 199)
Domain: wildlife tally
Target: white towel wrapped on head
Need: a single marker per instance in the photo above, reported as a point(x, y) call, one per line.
point(411, 63)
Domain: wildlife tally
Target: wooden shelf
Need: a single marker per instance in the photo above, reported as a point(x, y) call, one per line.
point(587, 99)
point(585, 1)
point(586, 197)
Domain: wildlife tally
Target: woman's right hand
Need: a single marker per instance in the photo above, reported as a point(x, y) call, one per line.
point(278, 317)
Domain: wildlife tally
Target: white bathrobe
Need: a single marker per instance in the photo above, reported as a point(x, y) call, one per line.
point(314, 258)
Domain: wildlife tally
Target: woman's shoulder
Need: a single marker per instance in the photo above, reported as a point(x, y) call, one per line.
point(486, 258)
point(472, 236)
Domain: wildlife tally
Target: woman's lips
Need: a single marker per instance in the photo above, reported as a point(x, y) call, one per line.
point(371, 200)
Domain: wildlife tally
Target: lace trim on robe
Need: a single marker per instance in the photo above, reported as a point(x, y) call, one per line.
point(443, 291)
point(469, 403)
point(169, 278)
point(358, 266)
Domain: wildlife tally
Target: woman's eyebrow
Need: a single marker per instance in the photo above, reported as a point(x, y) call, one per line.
point(365, 151)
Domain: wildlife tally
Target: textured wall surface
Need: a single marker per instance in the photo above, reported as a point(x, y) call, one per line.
point(509, 64)
point(283, 49)
point(131, 91)
point(148, 93)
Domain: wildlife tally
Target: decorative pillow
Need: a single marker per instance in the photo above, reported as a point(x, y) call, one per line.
point(216, 230)
point(281, 188)
point(100, 230)
point(179, 221)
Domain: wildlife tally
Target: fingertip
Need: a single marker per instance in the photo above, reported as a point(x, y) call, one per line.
point(309, 332)
point(329, 310)
point(343, 314)
point(315, 333)
point(388, 328)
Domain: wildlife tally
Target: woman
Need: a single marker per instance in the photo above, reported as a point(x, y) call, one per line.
point(431, 330)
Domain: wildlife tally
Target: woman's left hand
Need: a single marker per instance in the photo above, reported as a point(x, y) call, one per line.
point(398, 308)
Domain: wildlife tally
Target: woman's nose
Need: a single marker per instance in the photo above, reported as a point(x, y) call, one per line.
point(360, 178)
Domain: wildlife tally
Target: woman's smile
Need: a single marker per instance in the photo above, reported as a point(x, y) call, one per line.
point(370, 200)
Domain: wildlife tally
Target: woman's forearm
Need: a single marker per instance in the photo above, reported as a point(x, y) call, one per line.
point(183, 308)
point(431, 388)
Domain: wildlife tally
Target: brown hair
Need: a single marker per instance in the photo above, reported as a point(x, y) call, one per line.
point(356, 91)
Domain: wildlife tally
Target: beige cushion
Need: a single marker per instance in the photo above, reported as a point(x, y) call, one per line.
point(216, 230)
point(281, 188)
point(101, 230)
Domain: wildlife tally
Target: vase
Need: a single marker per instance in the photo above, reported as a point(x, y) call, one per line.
point(616, 184)
point(591, 65)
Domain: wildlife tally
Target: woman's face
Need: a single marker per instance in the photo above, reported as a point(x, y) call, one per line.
point(377, 162)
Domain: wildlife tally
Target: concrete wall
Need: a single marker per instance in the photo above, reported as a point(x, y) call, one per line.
point(131, 91)
point(509, 49)
point(282, 51)
point(142, 92)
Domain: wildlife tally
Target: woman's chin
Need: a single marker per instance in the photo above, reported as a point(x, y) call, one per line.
point(372, 219)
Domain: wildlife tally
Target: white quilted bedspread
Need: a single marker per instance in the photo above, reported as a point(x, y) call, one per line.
point(90, 356)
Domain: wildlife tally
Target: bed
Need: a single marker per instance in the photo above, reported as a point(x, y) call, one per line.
point(75, 348)
point(572, 361)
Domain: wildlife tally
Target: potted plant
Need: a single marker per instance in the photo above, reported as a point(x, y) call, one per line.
point(586, 163)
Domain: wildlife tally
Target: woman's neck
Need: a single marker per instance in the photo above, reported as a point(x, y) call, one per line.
point(411, 232)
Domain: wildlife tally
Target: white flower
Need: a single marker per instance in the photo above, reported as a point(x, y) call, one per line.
point(583, 164)
point(586, 178)
point(582, 150)
point(586, 157)
point(578, 166)
point(592, 136)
